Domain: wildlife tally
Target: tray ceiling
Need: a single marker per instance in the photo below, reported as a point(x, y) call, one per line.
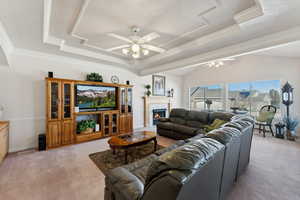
point(188, 29)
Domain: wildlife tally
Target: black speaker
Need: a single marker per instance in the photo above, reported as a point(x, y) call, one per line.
point(42, 142)
point(50, 74)
point(127, 82)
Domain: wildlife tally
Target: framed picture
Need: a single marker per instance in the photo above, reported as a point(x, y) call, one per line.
point(158, 85)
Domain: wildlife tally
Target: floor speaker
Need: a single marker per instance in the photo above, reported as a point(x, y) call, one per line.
point(42, 142)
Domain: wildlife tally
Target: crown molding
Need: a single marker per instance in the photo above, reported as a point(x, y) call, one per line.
point(65, 59)
point(6, 44)
point(48, 39)
point(248, 47)
point(249, 14)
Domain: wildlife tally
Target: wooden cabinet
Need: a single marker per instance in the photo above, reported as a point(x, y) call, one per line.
point(67, 132)
point(110, 123)
point(53, 136)
point(4, 131)
point(60, 104)
point(61, 119)
point(126, 115)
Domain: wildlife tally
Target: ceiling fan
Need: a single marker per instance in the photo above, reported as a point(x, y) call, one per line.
point(137, 46)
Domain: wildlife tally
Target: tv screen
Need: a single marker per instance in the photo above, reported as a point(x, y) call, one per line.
point(93, 97)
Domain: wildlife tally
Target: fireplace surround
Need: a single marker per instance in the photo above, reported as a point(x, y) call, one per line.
point(155, 102)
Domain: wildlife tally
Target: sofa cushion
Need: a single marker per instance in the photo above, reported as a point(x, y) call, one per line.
point(220, 115)
point(200, 117)
point(244, 124)
point(216, 124)
point(177, 120)
point(140, 167)
point(184, 129)
point(195, 124)
point(200, 135)
point(129, 180)
point(233, 125)
point(126, 183)
point(224, 135)
point(186, 158)
point(243, 118)
point(178, 113)
point(170, 148)
point(165, 125)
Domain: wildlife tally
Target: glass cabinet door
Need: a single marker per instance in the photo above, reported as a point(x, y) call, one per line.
point(106, 124)
point(67, 100)
point(114, 123)
point(129, 100)
point(123, 100)
point(54, 100)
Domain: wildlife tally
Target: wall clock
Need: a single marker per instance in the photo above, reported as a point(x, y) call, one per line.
point(115, 79)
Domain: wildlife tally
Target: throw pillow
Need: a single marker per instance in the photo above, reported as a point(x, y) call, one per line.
point(216, 124)
point(265, 117)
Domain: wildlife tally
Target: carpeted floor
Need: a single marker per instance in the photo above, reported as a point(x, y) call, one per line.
point(69, 173)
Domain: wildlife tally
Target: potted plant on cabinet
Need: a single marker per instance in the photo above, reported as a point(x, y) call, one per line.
point(291, 126)
point(86, 126)
point(94, 77)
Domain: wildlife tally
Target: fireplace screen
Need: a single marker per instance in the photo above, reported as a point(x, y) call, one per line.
point(158, 113)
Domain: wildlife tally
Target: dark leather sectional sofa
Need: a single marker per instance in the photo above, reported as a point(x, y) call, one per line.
point(203, 167)
point(183, 124)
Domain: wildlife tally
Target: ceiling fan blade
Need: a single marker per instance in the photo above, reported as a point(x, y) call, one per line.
point(153, 48)
point(149, 37)
point(118, 47)
point(120, 37)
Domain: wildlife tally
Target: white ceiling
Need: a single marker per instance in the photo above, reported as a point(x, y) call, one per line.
point(290, 50)
point(192, 31)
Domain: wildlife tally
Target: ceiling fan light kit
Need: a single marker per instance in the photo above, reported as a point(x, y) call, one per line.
point(219, 63)
point(138, 46)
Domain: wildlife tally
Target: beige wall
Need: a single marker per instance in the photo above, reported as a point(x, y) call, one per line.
point(22, 91)
point(248, 68)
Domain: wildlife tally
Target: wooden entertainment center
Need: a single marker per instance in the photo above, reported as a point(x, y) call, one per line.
point(61, 118)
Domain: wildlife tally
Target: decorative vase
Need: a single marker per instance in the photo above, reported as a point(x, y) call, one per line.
point(87, 131)
point(148, 93)
point(290, 135)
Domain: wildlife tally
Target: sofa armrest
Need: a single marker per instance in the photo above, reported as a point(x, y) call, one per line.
point(163, 119)
point(124, 184)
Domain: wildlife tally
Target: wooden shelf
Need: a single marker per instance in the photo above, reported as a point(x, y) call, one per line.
point(87, 137)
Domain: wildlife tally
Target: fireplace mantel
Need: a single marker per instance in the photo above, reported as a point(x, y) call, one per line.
point(155, 100)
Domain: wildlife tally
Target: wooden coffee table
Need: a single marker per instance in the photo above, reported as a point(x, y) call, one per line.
point(126, 141)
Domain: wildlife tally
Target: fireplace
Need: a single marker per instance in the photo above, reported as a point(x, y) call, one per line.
point(158, 113)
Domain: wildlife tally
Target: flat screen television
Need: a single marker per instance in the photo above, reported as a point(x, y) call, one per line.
point(95, 97)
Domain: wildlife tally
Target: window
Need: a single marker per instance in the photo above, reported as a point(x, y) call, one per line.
point(198, 96)
point(248, 97)
point(251, 96)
